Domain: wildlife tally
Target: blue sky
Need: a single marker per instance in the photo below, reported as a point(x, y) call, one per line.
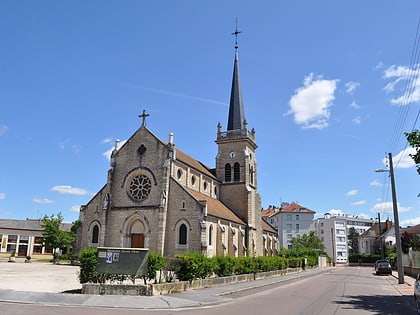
point(324, 85)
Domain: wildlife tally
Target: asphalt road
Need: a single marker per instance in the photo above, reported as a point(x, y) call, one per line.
point(33, 289)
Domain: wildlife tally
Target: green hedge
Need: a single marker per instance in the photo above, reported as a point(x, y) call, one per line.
point(191, 266)
point(366, 259)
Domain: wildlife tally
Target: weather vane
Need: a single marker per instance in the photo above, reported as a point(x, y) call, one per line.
point(236, 33)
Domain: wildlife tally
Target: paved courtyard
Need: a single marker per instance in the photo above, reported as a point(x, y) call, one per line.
point(38, 277)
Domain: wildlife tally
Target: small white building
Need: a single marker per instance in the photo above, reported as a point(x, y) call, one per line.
point(370, 241)
point(290, 220)
point(333, 231)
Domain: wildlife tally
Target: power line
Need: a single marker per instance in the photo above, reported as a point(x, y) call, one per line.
point(407, 98)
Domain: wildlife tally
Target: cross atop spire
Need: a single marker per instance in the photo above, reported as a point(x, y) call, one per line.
point(143, 116)
point(236, 33)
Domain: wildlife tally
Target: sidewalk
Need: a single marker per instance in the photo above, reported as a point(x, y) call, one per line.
point(43, 283)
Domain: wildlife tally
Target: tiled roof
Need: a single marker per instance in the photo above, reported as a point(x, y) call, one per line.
point(295, 207)
point(412, 229)
point(186, 159)
point(216, 208)
point(268, 213)
point(268, 228)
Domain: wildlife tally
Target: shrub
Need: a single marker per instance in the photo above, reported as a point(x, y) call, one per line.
point(244, 265)
point(155, 262)
point(88, 261)
point(192, 266)
point(224, 266)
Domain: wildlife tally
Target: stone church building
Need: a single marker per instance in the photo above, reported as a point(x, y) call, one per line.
point(158, 197)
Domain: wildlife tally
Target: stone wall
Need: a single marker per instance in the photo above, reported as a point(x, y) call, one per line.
point(174, 287)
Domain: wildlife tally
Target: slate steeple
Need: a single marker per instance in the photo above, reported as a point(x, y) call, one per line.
point(236, 107)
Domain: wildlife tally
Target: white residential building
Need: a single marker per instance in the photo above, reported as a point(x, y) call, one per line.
point(333, 231)
point(370, 241)
point(290, 220)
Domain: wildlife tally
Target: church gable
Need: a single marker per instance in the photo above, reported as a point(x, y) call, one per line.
point(136, 170)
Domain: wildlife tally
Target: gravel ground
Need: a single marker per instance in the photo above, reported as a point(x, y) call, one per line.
point(39, 277)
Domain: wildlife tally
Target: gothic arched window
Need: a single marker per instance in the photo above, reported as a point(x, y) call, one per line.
point(228, 173)
point(183, 234)
point(211, 235)
point(95, 235)
point(236, 172)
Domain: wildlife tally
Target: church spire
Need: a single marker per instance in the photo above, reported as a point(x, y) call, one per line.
point(236, 107)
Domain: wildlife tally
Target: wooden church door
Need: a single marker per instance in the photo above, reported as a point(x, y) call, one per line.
point(137, 240)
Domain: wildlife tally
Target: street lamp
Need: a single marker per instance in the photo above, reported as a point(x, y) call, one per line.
point(396, 221)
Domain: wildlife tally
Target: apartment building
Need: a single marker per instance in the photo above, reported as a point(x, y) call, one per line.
point(333, 231)
point(290, 220)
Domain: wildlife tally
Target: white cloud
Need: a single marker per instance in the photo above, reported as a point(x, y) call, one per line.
point(351, 87)
point(352, 192)
point(42, 201)
point(75, 208)
point(107, 153)
point(410, 222)
point(68, 190)
point(402, 159)
point(2, 196)
point(357, 120)
point(388, 208)
point(359, 203)
point(403, 75)
point(310, 104)
point(107, 140)
point(354, 105)
point(3, 129)
point(375, 183)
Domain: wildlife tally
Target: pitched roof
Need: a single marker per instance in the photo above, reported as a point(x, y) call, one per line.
point(373, 231)
point(215, 207)
point(412, 229)
point(268, 227)
point(295, 207)
point(27, 225)
point(269, 212)
point(188, 160)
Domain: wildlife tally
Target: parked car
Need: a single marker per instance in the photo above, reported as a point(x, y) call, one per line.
point(417, 293)
point(383, 266)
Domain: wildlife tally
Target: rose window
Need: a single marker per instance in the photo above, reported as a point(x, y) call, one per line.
point(140, 187)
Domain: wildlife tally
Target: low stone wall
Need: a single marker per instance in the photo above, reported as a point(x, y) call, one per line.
point(116, 289)
point(177, 286)
point(411, 271)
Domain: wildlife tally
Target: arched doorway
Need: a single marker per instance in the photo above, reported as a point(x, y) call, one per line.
point(137, 235)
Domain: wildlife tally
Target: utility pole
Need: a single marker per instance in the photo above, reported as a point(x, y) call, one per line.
point(380, 237)
point(396, 222)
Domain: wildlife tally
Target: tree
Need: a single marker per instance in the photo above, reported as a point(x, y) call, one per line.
point(54, 237)
point(308, 241)
point(353, 238)
point(409, 240)
point(413, 139)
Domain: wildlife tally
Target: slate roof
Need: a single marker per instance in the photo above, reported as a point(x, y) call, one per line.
point(27, 225)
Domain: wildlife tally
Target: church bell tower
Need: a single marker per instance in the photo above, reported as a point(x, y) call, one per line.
point(236, 165)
